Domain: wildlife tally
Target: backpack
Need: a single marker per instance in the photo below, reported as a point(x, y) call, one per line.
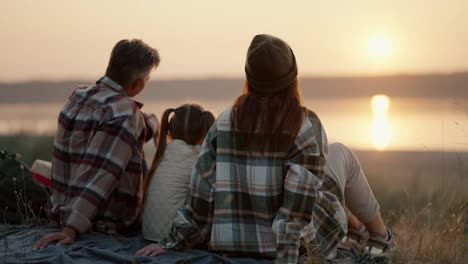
point(22, 200)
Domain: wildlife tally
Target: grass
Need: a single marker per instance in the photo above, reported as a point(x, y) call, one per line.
point(430, 225)
point(429, 228)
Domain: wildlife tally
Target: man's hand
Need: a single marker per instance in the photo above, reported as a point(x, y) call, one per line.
point(66, 237)
point(151, 250)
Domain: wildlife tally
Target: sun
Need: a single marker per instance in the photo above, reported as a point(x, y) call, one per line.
point(379, 46)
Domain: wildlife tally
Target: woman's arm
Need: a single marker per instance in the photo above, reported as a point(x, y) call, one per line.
point(305, 169)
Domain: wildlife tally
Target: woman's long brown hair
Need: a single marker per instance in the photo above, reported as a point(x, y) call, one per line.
point(267, 122)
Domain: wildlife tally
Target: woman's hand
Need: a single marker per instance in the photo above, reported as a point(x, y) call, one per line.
point(151, 250)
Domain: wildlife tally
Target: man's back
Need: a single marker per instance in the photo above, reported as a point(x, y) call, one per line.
point(97, 161)
point(98, 151)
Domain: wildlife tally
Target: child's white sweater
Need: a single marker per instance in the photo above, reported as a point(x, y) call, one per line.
point(168, 188)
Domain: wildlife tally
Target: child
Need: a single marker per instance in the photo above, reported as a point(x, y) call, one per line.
point(169, 175)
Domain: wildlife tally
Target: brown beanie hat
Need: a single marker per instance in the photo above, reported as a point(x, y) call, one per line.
point(270, 66)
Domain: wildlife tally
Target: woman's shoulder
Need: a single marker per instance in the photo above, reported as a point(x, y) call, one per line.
point(223, 122)
point(311, 128)
point(310, 113)
point(226, 114)
point(311, 118)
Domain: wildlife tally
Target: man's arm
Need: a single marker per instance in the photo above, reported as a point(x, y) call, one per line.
point(97, 177)
point(152, 127)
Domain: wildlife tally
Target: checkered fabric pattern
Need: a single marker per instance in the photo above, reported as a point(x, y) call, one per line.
point(247, 203)
point(97, 167)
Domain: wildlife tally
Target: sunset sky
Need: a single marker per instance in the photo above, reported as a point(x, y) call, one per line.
point(208, 38)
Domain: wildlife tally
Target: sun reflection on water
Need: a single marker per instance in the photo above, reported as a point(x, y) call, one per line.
point(380, 128)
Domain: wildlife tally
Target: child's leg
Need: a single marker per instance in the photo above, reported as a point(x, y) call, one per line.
point(345, 168)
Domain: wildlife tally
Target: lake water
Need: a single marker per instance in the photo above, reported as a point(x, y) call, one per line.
point(409, 124)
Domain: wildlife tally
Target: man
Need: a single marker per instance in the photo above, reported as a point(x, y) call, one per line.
point(98, 166)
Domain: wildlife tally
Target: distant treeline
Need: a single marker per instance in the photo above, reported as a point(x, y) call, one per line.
point(422, 86)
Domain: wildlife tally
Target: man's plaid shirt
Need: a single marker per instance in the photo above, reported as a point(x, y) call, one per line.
point(244, 203)
point(97, 167)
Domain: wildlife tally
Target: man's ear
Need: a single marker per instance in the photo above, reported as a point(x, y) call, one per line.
point(133, 87)
point(140, 82)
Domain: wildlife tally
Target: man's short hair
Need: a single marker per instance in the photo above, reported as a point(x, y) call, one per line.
point(130, 60)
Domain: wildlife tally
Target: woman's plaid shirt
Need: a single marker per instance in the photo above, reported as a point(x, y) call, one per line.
point(97, 167)
point(260, 204)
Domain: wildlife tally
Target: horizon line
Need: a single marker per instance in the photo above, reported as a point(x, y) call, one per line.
point(227, 77)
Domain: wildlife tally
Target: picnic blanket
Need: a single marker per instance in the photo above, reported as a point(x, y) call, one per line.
point(16, 247)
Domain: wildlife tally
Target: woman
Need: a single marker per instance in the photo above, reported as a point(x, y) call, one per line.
point(258, 186)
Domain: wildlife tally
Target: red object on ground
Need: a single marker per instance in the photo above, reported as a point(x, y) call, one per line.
point(40, 171)
point(41, 179)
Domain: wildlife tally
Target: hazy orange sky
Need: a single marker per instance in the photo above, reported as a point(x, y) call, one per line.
point(209, 38)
